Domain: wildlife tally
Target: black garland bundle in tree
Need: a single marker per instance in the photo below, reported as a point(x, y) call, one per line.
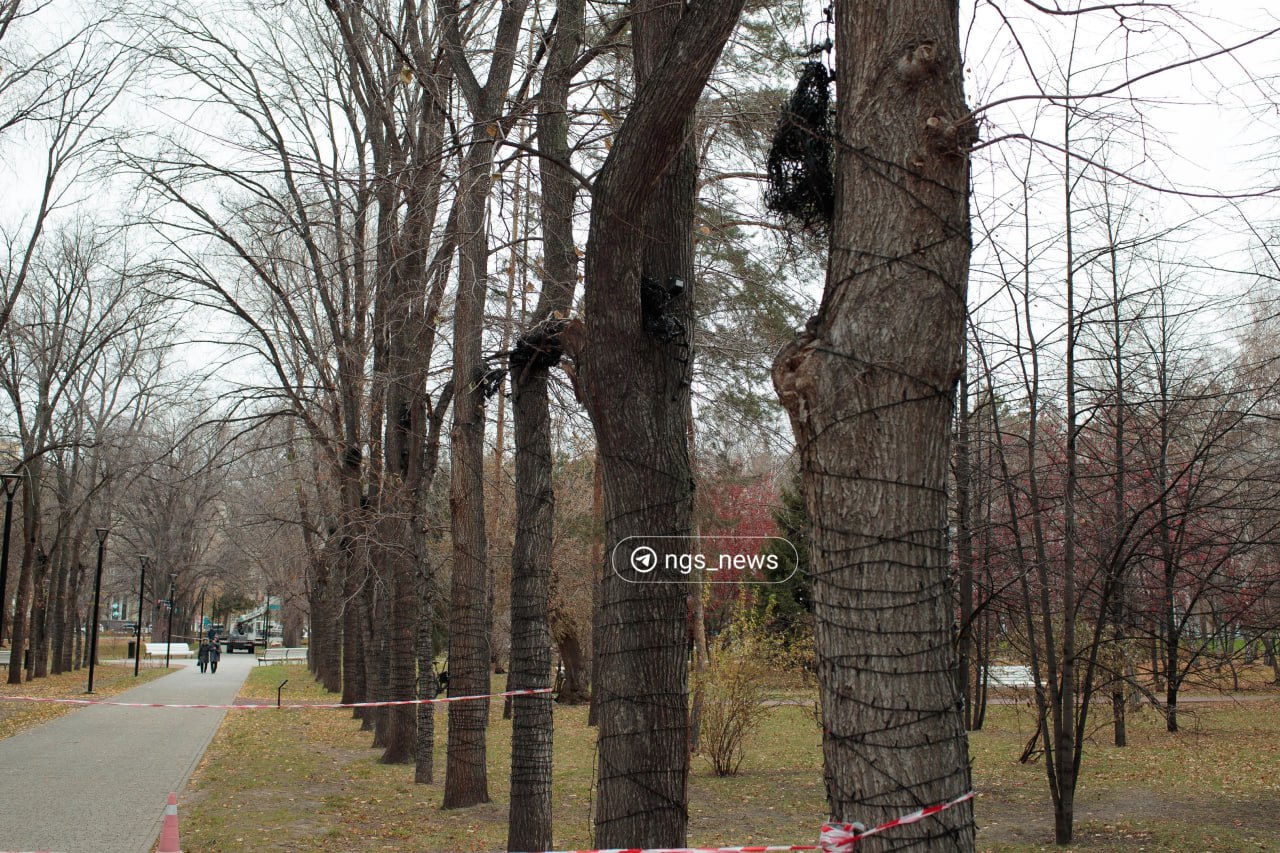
point(656, 308)
point(801, 182)
point(540, 346)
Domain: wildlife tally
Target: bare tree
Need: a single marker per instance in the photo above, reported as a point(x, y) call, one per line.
point(870, 388)
point(633, 368)
point(75, 336)
point(537, 350)
point(465, 773)
point(61, 88)
point(326, 263)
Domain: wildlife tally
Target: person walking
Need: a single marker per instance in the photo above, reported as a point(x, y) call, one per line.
point(215, 652)
point(202, 656)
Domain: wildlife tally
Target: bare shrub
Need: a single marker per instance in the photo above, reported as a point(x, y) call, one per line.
point(733, 693)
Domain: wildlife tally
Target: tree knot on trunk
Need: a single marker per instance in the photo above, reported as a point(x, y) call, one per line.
point(918, 62)
point(793, 378)
point(953, 137)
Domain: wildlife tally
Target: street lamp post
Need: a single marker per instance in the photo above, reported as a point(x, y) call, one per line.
point(137, 630)
point(10, 489)
point(168, 637)
point(97, 595)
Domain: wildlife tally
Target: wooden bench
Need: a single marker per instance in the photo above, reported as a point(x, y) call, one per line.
point(1011, 675)
point(4, 657)
point(175, 650)
point(283, 655)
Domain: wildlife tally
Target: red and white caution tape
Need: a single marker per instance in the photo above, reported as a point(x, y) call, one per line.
point(835, 838)
point(784, 848)
point(304, 705)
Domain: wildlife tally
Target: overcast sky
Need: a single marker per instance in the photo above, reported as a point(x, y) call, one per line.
point(1206, 127)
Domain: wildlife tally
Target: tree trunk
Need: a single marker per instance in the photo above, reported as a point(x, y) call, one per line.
point(575, 689)
point(964, 552)
point(1157, 678)
point(352, 648)
point(634, 371)
point(376, 615)
point(1172, 681)
point(1119, 601)
point(424, 745)
point(529, 824)
point(700, 656)
point(466, 780)
point(326, 624)
point(1065, 729)
point(406, 475)
point(598, 571)
point(402, 720)
point(75, 573)
point(81, 645)
point(39, 644)
point(58, 619)
point(870, 388)
point(22, 599)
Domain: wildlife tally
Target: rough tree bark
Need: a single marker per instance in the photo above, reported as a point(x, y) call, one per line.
point(597, 569)
point(466, 780)
point(635, 383)
point(424, 647)
point(31, 533)
point(870, 387)
point(529, 822)
point(410, 338)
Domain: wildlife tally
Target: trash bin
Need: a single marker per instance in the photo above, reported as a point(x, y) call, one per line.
point(133, 649)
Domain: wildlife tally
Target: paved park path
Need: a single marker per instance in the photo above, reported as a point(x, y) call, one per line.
point(96, 780)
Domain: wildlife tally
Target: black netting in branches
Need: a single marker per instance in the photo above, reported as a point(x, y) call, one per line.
point(801, 182)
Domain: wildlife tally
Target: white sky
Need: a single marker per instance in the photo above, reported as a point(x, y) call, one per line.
point(1208, 128)
point(1211, 127)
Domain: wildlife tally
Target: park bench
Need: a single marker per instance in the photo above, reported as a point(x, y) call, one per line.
point(178, 650)
point(4, 657)
point(283, 655)
point(1011, 675)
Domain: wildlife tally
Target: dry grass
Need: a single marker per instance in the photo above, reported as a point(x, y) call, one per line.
point(308, 781)
point(1212, 786)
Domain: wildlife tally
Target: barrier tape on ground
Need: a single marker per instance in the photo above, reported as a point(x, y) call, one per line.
point(273, 707)
point(835, 838)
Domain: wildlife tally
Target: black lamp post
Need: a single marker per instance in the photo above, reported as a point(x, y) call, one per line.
point(168, 637)
point(10, 489)
point(97, 595)
point(137, 630)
